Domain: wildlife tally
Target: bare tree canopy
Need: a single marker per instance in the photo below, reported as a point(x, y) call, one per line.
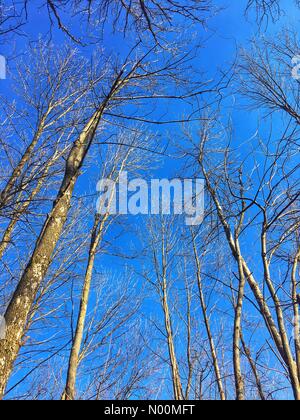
point(149, 202)
point(268, 9)
point(145, 16)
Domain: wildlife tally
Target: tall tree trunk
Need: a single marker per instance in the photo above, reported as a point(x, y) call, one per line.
point(74, 360)
point(25, 293)
point(291, 364)
point(189, 340)
point(254, 369)
point(96, 237)
point(177, 386)
point(239, 380)
point(296, 304)
point(207, 325)
point(280, 337)
point(70, 390)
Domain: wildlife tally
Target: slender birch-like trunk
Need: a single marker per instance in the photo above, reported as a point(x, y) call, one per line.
point(177, 386)
point(70, 390)
point(254, 369)
point(96, 238)
point(296, 304)
point(279, 335)
point(189, 340)
point(238, 310)
point(159, 239)
point(239, 380)
point(289, 358)
point(207, 324)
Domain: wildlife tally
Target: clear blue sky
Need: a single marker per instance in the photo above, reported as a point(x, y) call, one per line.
point(226, 32)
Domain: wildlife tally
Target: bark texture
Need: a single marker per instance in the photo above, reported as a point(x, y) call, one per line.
point(207, 326)
point(26, 291)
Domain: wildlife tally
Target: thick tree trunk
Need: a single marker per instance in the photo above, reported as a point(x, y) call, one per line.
point(24, 296)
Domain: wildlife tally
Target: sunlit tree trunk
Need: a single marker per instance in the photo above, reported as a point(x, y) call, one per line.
point(96, 238)
point(70, 390)
point(254, 369)
point(207, 324)
point(24, 296)
point(296, 304)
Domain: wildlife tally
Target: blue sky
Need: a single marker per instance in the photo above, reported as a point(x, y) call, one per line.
point(226, 32)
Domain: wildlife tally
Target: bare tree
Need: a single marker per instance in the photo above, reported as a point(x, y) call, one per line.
point(146, 17)
point(162, 244)
point(133, 80)
point(105, 358)
point(254, 369)
point(119, 158)
point(267, 9)
point(274, 201)
point(206, 319)
point(11, 17)
point(266, 75)
point(217, 315)
point(48, 83)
